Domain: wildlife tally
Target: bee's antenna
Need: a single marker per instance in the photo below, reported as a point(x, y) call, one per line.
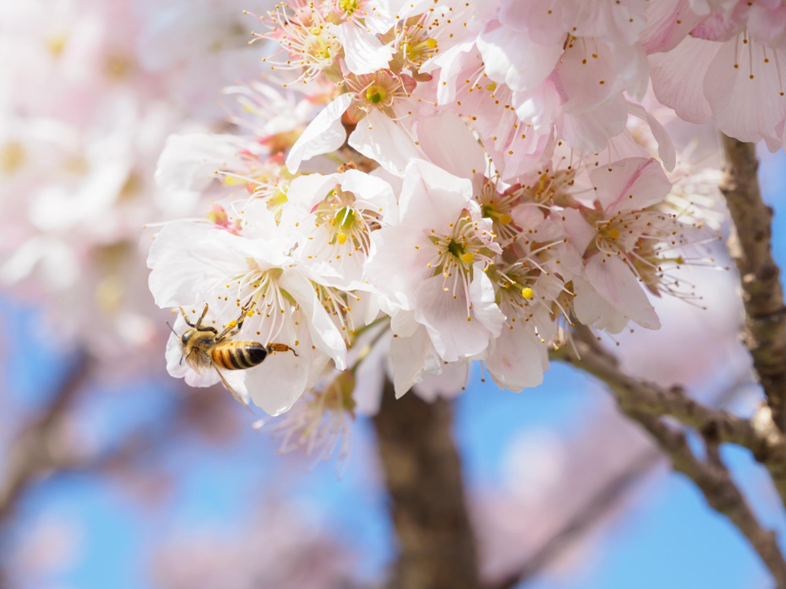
point(172, 328)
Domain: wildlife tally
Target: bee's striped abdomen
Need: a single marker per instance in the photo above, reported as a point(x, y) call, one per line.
point(238, 355)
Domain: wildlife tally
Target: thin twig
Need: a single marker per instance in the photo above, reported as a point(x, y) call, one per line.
point(764, 332)
point(719, 489)
point(646, 403)
point(759, 434)
point(36, 449)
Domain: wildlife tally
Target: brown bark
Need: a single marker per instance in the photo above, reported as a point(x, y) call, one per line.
point(423, 473)
point(37, 449)
point(759, 434)
point(646, 404)
point(719, 490)
point(764, 332)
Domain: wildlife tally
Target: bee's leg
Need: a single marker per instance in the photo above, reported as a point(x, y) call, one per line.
point(204, 312)
point(233, 328)
point(243, 314)
point(185, 317)
point(280, 348)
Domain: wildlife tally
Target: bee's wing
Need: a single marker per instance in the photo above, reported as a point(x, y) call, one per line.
point(237, 397)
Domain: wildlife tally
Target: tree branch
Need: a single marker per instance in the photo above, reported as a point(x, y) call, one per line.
point(645, 403)
point(423, 474)
point(36, 449)
point(719, 489)
point(760, 435)
point(764, 332)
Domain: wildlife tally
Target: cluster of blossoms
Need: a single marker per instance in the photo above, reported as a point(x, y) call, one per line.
point(421, 185)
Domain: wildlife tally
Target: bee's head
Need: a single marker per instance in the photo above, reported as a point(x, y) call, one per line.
point(184, 340)
point(197, 338)
point(195, 341)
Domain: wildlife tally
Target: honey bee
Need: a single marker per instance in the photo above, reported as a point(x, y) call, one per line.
point(204, 347)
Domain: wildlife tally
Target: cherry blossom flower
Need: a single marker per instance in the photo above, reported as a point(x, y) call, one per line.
point(253, 274)
point(433, 262)
point(725, 65)
point(623, 244)
point(336, 215)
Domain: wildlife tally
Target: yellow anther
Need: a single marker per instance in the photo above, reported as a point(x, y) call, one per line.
point(217, 217)
point(56, 44)
point(342, 238)
point(527, 293)
point(431, 43)
point(505, 219)
point(467, 258)
point(12, 156)
point(614, 233)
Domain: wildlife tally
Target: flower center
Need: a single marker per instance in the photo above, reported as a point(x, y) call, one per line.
point(338, 305)
point(345, 224)
point(415, 43)
point(319, 45)
point(458, 251)
point(375, 94)
point(12, 156)
point(381, 90)
point(349, 6)
point(270, 307)
point(490, 212)
point(349, 220)
point(310, 46)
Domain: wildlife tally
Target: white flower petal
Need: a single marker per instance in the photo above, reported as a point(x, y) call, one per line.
point(395, 266)
point(309, 190)
point(512, 58)
point(372, 190)
point(189, 162)
point(666, 150)
point(447, 142)
point(678, 78)
point(484, 307)
point(746, 94)
point(455, 335)
point(517, 359)
point(279, 381)
point(323, 135)
point(324, 332)
point(384, 141)
point(409, 357)
point(432, 198)
point(630, 184)
point(615, 282)
point(364, 53)
point(592, 309)
point(179, 276)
